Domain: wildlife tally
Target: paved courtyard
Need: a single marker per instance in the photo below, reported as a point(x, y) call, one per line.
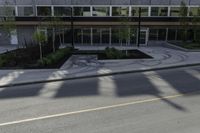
point(81, 66)
point(6, 48)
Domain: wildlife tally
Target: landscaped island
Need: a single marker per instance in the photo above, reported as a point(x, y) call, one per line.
point(29, 57)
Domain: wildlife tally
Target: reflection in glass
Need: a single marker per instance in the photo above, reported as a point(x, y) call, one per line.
point(120, 11)
point(144, 11)
point(162, 34)
point(101, 11)
point(87, 36)
point(7, 11)
point(175, 11)
point(78, 36)
point(44, 11)
point(195, 11)
point(153, 34)
point(62, 11)
point(171, 34)
point(25, 11)
point(133, 36)
point(159, 11)
point(105, 35)
point(96, 36)
point(82, 11)
point(115, 36)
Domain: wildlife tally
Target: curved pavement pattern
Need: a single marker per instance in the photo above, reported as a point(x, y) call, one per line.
point(161, 57)
point(88, 65)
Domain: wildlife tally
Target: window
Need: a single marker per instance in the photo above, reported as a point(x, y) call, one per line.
point(7, 11)
point(78, 36)
point(195, 11)
point(96, 36)
point(44, 32)
point(44, 11)
point(153, 34)
point(157, 34)
point(144, 11)
point(175, 11)
point(101, 36)
point(159, 11)
point(162, 34)
point(62, 11)
point(120, 11)
point(87, 36)
point(101, 11)
point(25, 11)
point(115, 36)
point(171, 34)
point(82, 11)
point(133, 35)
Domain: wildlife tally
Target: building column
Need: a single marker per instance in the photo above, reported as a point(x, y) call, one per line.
point(166, 34)
point(91, 35)
point(110, 38)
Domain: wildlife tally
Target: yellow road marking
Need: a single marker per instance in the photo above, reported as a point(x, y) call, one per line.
point(89, 110)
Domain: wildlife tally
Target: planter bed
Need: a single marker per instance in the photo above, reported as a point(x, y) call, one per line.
point(187, 45)
point(25, 59)
point(125, 54)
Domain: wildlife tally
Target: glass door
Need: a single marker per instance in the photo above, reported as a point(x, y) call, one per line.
point(143, 37)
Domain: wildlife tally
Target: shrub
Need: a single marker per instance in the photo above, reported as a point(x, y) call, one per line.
point(53, 58)
point(112, 53)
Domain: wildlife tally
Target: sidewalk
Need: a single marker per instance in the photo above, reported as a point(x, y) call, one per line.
point(89, 66)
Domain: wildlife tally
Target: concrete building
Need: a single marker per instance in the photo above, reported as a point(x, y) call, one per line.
point(97, 22)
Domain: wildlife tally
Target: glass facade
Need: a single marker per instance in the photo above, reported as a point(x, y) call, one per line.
point(171, 34)
point(100, 36)
point(78, 38)
point(101, 11)
point(175, 11)
point(7, 11)
point(108, 33)
point(144, 11)
point(159, 11)
point(195, 11)
point(96, 36)
point(25, 11)
point(82, 11)
point(120, 11)
point(86, 36)
point(157, 34)
point(44, 11)
point(115, 36)
point(62, 11)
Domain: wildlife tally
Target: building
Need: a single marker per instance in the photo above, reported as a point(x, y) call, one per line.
point(97, 22)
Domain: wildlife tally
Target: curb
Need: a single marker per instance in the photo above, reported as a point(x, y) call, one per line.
point(99, 75)
point(180, 48)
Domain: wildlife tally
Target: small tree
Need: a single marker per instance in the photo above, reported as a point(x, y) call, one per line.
point(196, 25)
point(55, 25)
point(183, 20)
point(40, 38)
point(125, 32)
point(8, 22)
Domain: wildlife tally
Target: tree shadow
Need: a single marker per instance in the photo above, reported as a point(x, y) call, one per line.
point(127, 85)
point(141, 86)
point(80, 88)
point(182, 81)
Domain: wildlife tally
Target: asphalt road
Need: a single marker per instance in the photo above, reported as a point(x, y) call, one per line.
point(164, 101)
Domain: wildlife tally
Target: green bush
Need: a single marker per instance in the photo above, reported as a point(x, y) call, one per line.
point(55, 57)
point(112, 53)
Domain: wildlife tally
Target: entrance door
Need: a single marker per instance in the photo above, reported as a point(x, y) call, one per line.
point(13, 37)
point(143, 37)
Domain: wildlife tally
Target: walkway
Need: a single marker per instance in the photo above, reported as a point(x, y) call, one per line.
point(81, 66)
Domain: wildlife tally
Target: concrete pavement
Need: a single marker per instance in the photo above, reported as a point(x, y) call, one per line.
point(89, 66)
point(176, 109)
